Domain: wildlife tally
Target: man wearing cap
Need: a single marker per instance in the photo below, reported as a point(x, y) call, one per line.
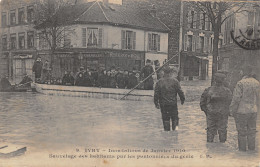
point(145, 72)
point(37, 69)
point(215, 102)
point(165, 98)
point(244, 108)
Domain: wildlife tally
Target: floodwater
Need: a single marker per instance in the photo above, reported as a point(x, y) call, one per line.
point(58, 124)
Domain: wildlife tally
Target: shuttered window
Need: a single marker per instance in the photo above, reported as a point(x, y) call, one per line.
point(154, 42)
point(128, 40)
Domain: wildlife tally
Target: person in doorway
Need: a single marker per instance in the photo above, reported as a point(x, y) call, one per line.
point(46, 72)
point(165, 98)
point(145, 72)
point(244, 108)
point(37, 69)
point(215, 102)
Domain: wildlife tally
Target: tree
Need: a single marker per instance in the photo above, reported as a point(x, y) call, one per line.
point(53, 22)
point(218, 12)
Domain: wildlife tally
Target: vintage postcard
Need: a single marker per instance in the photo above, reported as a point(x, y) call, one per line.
point(129, 83)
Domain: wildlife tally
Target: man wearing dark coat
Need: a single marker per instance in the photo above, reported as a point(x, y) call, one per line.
point(215, 102)
point(68, 79)
point(165, 98)
point(132, 80)
point(5, 85)
point(145, 72)
point(102, 79)
point(37, 69)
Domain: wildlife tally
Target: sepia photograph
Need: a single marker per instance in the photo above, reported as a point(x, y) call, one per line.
point(129, 83)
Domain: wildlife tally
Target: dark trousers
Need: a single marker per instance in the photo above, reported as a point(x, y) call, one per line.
point(246, 127)
point(148, 84)
point(217, 122)
point(169, 113)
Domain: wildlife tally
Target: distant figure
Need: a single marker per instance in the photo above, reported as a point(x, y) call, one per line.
point(112, 78)
point(120, 80)
point(79, 79)
point(88, 79)
point(68, 79)
point(215, 102)
point(132, 80)
point(165, 98)
point(102, 79)
point(46, 72)
point(37, 69)
point(244, 108)
point(5, 85)
point(26, 82)
point(145, 72)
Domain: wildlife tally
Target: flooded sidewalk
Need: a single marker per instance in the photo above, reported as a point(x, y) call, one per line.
point(67, 126)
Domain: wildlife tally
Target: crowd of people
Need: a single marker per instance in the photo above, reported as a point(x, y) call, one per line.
point(115, 77)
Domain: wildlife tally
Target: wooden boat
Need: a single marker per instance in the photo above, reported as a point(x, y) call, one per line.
point(9, 150)
point(93, 92)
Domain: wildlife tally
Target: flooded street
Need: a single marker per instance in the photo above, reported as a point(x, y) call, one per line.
point(47, 124)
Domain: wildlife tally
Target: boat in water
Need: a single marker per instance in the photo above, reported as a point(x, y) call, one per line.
point(93, 92)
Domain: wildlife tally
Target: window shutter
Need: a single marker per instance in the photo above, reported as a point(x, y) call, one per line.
point(185, 42)
point(205, 44)
point(207, 22)
point(210, 26)
point(100, 37)
point(193, 42)
point(123, 43)
point(198, 43)
point(149, 41)
point(134, 40)
point(158, 42)
point(195, 20)
point(209, 46)
point(84, 37)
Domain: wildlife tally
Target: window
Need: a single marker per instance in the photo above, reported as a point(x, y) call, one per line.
point(30, 39)
point(4, 21)
point(30, 14)
point(189, 43)
point(12, 17)
point(67, 40)
point(21, 40)
point(201, 44)
point(250, 18)
point(13, 41)
point(154, 42)
point(4, 42)
point(128, 39)
point(92, 37)
point(202, 21)
point(21, 17)
point(42, 42)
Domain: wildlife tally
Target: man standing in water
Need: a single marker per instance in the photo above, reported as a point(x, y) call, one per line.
point(215, 102)
point(165, 98)
point(244, 108)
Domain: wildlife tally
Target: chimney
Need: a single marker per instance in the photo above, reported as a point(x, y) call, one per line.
point(153, 11)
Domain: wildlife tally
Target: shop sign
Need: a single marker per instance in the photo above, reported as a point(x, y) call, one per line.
point(125, 55)
point(65, 55)
point(23, 56)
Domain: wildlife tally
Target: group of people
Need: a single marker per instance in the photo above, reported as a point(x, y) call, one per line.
point(42, 71)
point(218, 103)
point(113, 78)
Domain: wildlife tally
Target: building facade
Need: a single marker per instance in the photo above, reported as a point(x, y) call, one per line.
point(196, 45)
point(102, 34)
point(17, 38)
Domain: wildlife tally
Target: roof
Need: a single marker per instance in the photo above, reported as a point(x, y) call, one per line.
point(113, 14)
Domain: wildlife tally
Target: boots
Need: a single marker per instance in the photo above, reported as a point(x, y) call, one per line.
point(242, 143)
point(251, 141)
point(222, 136)
point(166, 125)
point(210, 137)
